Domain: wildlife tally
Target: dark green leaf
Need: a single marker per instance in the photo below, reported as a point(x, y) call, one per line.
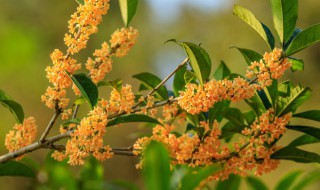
point(311, 114)
point(14, 107)
point(132, 118)
point(178, 80)
point(215, 111)
point(255, 183)
point(143, 87)
point(248, 17)
point(250, 117)
point(13, 168)
point(295, 33)
point(233, 182)
point(199, 60)
point(296, 64)
point(303, 140)
point(287, 181)
point(307, 180)
point(304, 39)
point(272, 92)
point(222, 71)
point(156, 170)
point(289, 104)
point(151, 81)
point(249, 55)
point(193, 179)
point(229, 129)
point(264, 98)
point(285, 14)
point(128, 8)
point(295, 154)
point(87, 88)
point(315, 132)
point(234, 115)
point(256, 104)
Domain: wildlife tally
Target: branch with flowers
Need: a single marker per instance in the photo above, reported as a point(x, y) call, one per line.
point(200, 101)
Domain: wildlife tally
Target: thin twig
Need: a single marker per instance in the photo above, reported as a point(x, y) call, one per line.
point(51, 123)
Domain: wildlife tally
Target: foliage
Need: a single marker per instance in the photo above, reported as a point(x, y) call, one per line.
point(201, 99)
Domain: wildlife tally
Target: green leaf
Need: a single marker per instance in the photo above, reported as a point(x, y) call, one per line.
point(289, 104)
point(189, 77)
point(156, 170)
point(234, 115)
point(222, 71)
point(307, 180)
point(151, 81)
point(215, 111)
point(199, 59)
point(264, 98)
point(80, 100)
point(250, 117)
point(249, 55)
point(304, 39)
point(315, 132)
point(255, 183)
point(13, 168)
point(71, 121)
point(296, 64)
point(92, 174)
point(178, 80)
point(303, 140)
point(272, 92)
point(256, 104)
point(284, 88)
point(193, 179)
point(128, 8)
point(14, 107)
point(295, 154)
point(285, 14)
point(124, 185)
point(233, 182)
point(132, 118)
point(248, 17)
point(87, 88)
point(287, 181)
point(295, 33)
point(311, 114)
point(116, 84)
point(229, 129)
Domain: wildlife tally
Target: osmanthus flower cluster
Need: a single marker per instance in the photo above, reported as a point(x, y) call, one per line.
point(199, 98)
point(251, 152)
point(21, 135)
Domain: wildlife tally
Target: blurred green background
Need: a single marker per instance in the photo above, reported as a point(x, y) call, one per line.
point(31, 30)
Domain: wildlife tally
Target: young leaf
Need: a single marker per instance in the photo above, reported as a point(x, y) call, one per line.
point(132, 118)
point(13, 168)
point(156, 170)
point(116, 84)
point(295, 154)
point(222, 71)
point(296, 64)
point(289, 104)
point(249, 55)
point(151, 81)
point(178, 80)
point(303, 140)
point(304, 39)
point(311, 114)
point(248, 17)
point(287, 181)
point(128, 8)
point(192, 180)
point(71, 121)
point(285, 14)
point(199, 59)
point(14, 107)
point(87, 88)
point(255, 183)
point(315, 132)
point(233, 182)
